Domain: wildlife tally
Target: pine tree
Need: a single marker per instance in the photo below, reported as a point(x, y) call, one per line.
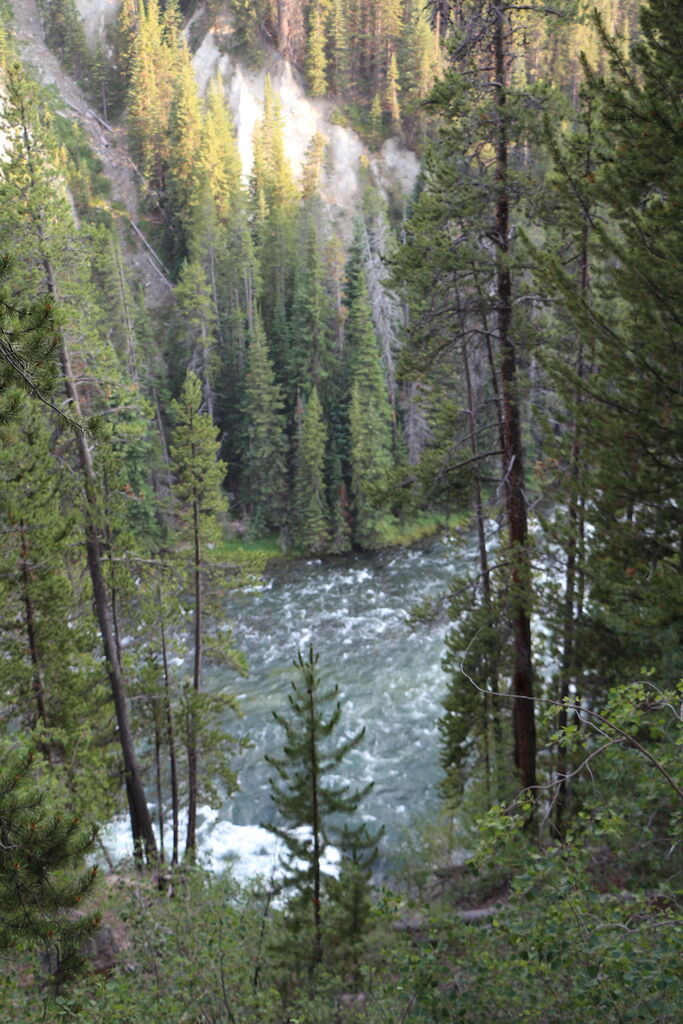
point(376, 122)
point(418, 66)
point(201, 505)
point(221, 153)
point(307, 800)
point(316, 60)
point(274, 205)
point(369, 417)
point(391, 94)
point(195, 317)
point(224, 245)
point(309, 357)
point(36, 214)
point(28, 347)
point(264, 481)
point(472, 288)
point(186, 159)
point(47, 639)
point(340, 58)
point(627, 322)
point(42, 880)
point(150, 96)
point(309, 507)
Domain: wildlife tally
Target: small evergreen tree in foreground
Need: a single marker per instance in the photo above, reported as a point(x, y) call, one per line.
point(309, 802)
point(39, 851)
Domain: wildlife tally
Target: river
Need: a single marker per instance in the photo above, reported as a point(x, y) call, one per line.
point(353, 610)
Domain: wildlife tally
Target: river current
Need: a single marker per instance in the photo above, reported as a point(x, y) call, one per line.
point(354, 611)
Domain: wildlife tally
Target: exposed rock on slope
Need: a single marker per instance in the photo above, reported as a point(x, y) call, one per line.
point(394, 170)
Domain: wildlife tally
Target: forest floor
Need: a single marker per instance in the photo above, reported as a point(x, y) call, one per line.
point(109, 143)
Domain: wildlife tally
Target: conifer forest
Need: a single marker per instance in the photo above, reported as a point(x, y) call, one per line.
point(341, 511)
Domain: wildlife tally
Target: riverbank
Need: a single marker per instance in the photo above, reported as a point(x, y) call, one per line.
point(391, 533)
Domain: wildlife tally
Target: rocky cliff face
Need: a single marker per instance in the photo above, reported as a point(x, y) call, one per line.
point(394, 170)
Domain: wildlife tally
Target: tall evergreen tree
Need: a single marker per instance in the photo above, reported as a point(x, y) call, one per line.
point(316, 60)
point(274, 202)
point(626, 400)
point(369, 417)
point(309, 357)
point(47, 638)
point(472, 287)
point(264, 481)
point(150, 96)
point(36, 213)
point(201, 505)
point(195, 317)
point(309, 506)
point(186, 159)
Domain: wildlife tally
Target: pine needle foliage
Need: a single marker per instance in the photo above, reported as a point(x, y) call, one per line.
point(309, 801)
point(28, 348)
point(41, 888)
point(310, 524)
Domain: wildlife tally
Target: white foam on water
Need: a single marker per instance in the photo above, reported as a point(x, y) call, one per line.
point(249, 850)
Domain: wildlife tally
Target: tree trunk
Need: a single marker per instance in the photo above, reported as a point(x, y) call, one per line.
point(170, 735)
point(524, 726)
point(483, 554)
point(317, 851)
point(38, 688)
point(574, 567)
point(160, 795)
point(192, 752)
point(141, 822)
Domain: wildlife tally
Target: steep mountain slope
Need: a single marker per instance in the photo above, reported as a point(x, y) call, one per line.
point(109, 142)
point(394, 170)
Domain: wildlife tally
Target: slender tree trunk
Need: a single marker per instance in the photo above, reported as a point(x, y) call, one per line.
point(170, 736)
point(574, 583)
point(524, 726)
point(481, 544)
point(113, 594)
point(140, 819)
point(493, 370)
point(160, 795)
point(208, 386)
point(317, 851)
point(38, 688)
point(192, 752)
